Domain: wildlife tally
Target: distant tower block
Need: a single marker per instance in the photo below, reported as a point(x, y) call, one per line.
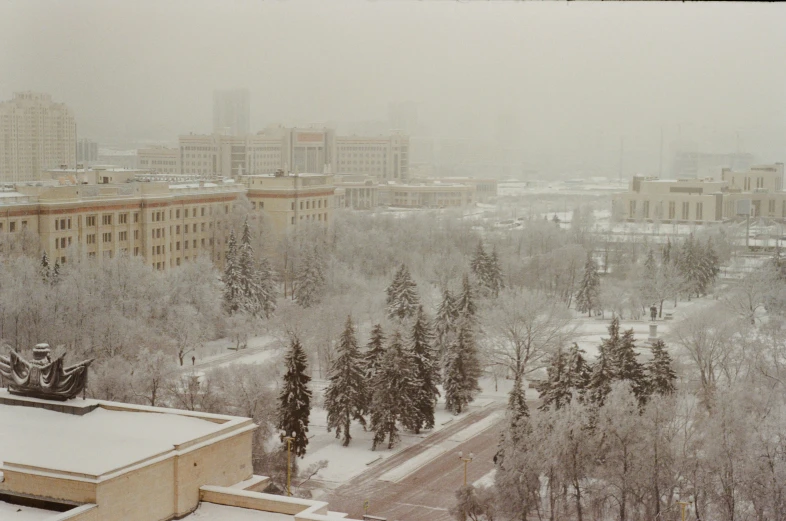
point(653, 332)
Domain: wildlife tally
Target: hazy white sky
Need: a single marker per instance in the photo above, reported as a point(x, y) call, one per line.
point(579, 75)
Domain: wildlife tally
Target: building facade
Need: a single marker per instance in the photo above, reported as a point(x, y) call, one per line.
point(291, 200)
point(159, 160)
point(704, 200)
point(383, 157)
point(231, 112)
point(433, 195)
point(35, 134)
point(86, 151)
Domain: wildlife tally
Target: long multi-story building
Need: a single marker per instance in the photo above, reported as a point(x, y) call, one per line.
point(383, 157)
point(166, 223)
point(159, 160)
point(705, 200)
point(86, 151)
point(290, 200)
point(35, 134)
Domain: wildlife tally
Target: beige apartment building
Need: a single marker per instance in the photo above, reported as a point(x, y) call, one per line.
point(290, 200)
point(166, 224)
point(704, 200)
point(35, 134)
point(159, 160)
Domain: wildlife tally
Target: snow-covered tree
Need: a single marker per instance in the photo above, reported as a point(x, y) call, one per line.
point(462, 370)
point(374, 354)
point(496, 280)
point(267, 287)
point(479, 264)
point(426, 368)
point(394, 387)
point(45, 269)
point(465, 303)
point(659, 371)
point(568, 377)
point(445, 322)
point(588, 296)
point(310, 279)
point(625, 365)
point(233, 290)
point(402, 295)
point(294, 400)
point(345, 396)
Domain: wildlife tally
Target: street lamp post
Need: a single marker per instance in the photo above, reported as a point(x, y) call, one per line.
point(289, 439)
point(682, 505)
point(466, 461)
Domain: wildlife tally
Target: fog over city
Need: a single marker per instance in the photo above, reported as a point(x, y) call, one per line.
point(576, 78)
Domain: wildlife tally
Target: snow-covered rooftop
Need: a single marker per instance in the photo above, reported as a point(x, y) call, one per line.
point(94, 444)
point(213, 512)
point(22, 513)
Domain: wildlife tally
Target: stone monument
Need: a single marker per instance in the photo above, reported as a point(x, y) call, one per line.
point(43, 377)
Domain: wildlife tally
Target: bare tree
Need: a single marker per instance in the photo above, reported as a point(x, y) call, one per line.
point(750, 294)
point(523, 327)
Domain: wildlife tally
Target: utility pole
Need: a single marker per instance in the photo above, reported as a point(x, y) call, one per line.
point(289, 439)
point(466, 461)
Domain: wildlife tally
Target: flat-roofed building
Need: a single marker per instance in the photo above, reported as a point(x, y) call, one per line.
point(95, 460)
point(385, 157)
point(359, 192)
point(289, 200)
point(433, 195)
point(159, 160)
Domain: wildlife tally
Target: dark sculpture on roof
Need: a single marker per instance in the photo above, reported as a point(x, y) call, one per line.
point(43, 377)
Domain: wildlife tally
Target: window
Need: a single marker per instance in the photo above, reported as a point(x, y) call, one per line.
point(261, 204)
point(177, 229)
point(685, 209)
point(319, 205)
point(195, 244)
point(122, 236)
point(646, 208)
point(107, 237)
point(12, 226)
point(699, 210)
point(203, 227)
point(672, 209)
point(292, 221)
point(90, 238)
point(90, 220)
point(194, 227)
point(177, 261)
point(301, 205)
point(632, 209)
point(136, 251)
point(185, 245)
point(772, 206)
point(177, 246)
point(177, 214)
point(122, 218)
point(106, 219)
point(136, 234)
point(203, 243)
point(292, 206)
point(136, 217)
point(203, 211)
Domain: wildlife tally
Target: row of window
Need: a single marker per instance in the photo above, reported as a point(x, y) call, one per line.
point(323, 217)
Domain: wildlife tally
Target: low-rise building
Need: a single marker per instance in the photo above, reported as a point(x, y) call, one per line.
point(360, 192)
point(432, 195)
point(159, 160)
point(704, 200)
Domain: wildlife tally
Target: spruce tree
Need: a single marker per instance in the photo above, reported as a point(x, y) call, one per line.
point(45, 269)
point(625, 365)
point(233, 292)
point(660, 373)
point(462, 370)
point(426, 374)
point(496, 280)
point(310, 279)
point(578, 371)
point(294, 405)
point(553, 390)
point(345, 396)
point(479, 265)
point(587, 298)
point(444, 323)
point(517, 413)
point(55, 278)
point(267, 287)
point(252, 302)
point(394, 388)
point(375, 353)
point(465, 305)
point(601, 378)
point(402, 295)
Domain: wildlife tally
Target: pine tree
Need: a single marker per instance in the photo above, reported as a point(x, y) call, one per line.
point(402, 295)
point(294, 405)
point(589, 291)
point(247, 275)
point(345, 396)
point(517, 414)
point(660, 373)
point(233, 292)
point(45, 269)
point(601, 378)
point(553, 391)
point(578, 371)
point(479, 265)
point(462, 371)
point(465, 305)
point(393, 388)
point(625, 365)
point(267, 287)
point(444, 323)
point(426, 372)
point(496, 280)
point(55, 278)
point(375, 353)
point(310, 280)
